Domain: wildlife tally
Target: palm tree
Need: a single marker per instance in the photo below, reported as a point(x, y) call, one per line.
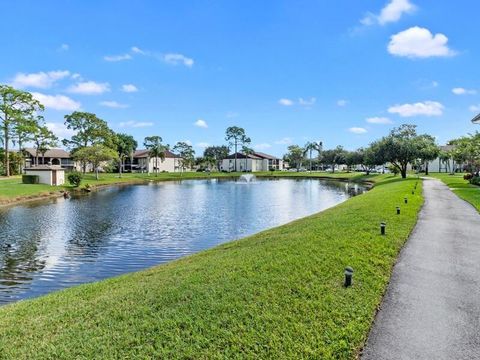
point(247, 151)
point(155, 149)
point(310, 147)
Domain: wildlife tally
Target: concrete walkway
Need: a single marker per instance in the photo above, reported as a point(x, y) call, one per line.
point(432, 306)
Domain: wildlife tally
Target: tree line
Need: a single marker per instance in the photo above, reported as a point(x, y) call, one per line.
point(401, 147)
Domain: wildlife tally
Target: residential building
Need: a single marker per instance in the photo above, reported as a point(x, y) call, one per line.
point(143, 162)
point(58, 157)
point(256, 161)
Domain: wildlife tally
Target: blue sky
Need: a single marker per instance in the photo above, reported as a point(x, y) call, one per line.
point(344, 72)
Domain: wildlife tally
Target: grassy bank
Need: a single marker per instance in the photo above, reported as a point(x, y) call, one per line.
point(12, 189)
point(461, 187)
point(277, 294)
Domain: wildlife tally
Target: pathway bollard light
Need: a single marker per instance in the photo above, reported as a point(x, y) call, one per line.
point(382, 228)
point(398, 210)
point(348, 276)
point(405, 200)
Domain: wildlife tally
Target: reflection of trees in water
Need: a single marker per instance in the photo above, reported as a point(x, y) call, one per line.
point(92, 219)
point(18, 255)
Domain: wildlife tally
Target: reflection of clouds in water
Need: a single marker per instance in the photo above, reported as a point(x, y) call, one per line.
point(121, 229)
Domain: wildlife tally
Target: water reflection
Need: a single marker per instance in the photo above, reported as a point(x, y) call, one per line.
point(59, 243)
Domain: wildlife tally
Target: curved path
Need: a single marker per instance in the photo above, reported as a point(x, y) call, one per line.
point(432, 306)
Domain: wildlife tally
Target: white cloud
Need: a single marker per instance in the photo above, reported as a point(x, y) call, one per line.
point(57, 102)
point(426, 108)
point(201, 123)
point(60, 130)
point(116, 58)
point(113, 104)
point(203, 145)
point(463, 91)
point(41, 80)
point(379, 120)
point(285, 102)
point(89, 88)
point(284, 141)
point(307, 102)
point(474, 108)
point(392, 12)
point(129, 88)
point(417, 42)
point(342, 102)
point(135, 124)
point(76, 76)
point(64, 47)
point(262, 146)
point(357, 130)
point(137, 50)
point(176, 59)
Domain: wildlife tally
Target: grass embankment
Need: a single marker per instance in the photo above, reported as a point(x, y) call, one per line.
point(12, 190)
point(461, 187)
point(277, 294)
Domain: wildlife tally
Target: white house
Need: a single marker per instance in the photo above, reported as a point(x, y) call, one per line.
point(256, 161)
point(53, 175)
point(142, 161)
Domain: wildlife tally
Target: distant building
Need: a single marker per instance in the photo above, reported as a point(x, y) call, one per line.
point(143, 162)
point(57, 157)
point(256, 161)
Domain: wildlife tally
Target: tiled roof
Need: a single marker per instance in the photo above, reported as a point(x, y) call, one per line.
point(265, 156)
point(243, 156)
point(52, 153)
point(45, 167)
point(144, 154)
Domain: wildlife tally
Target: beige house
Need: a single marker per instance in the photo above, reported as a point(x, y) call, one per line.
point(53, 175)
point(143, 162)
point(256, 161)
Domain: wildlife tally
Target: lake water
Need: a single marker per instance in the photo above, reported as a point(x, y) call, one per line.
point(60, 243)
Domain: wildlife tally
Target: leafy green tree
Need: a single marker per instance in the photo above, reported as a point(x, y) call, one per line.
point(15, 107)
point(95, 155)
point(236, 137)
point(89, 130)
point(125, 146)
point(334, 157)
point(295, 156)
point(43, 139)
point(215, 154)
point(186, 153)
point(401, 147)
point(310, 148)
point(466, 150)
point(155, 149)
point(427, 149)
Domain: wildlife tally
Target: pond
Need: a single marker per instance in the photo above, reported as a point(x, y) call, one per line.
point(50, 245)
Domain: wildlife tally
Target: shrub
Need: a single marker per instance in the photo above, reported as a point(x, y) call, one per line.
point(30, 179)
point(74, 178)
point(468, 177)
point(394, 170)
point(475, 180)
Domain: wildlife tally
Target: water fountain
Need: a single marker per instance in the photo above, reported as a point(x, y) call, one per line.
point(247, 178)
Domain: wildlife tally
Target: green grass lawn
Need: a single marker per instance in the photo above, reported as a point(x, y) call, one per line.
point(12, 188)
point(462, 188)
point(277, 294)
